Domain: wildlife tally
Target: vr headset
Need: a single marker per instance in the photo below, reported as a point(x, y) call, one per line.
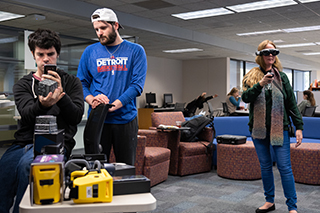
point(267, 52)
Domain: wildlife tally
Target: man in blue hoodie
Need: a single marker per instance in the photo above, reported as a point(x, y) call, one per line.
point(113, 71)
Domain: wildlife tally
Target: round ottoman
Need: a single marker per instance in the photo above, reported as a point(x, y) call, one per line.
point(305, 161)
point(238, 161)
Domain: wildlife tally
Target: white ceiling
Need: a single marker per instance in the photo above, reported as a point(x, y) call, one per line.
point(157, 30)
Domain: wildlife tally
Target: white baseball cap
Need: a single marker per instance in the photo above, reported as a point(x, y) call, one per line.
point(105, 14)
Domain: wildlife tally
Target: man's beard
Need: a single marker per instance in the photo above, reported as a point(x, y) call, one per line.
point(110, 39)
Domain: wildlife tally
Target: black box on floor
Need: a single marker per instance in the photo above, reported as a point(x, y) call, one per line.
point(122, 169)
point(130, 184)
point(42, 139)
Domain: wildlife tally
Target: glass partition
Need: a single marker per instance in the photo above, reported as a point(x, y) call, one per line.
point(12, 69)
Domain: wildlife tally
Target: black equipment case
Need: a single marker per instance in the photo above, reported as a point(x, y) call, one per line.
point(231, 139)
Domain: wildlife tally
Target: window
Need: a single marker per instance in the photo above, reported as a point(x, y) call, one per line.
point(299, 79)
point(250, 65)
point(289, 74)
point(12, 69)
point(236, 74)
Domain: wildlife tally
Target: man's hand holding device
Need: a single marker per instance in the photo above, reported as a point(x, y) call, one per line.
point(48, 67)
point(50, 87)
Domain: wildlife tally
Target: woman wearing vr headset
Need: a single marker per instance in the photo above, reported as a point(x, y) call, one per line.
point(272, 101)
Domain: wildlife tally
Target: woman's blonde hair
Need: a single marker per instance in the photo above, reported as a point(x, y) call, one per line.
point(232, 91)
point(255, 74)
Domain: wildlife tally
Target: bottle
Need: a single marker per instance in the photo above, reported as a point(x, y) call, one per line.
point(316, 83)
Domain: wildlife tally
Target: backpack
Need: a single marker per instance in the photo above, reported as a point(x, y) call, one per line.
point(196, 124)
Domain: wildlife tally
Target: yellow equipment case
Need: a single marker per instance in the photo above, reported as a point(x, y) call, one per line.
point(91, 186)
point(46, 183)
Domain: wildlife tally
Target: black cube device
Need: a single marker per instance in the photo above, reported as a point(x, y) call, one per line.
point(47, 86)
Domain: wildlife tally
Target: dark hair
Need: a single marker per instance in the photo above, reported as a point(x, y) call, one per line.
point(310, 97)
point(45, 39)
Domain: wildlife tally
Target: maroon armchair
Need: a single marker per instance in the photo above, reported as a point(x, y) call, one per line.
point(157, 156)
point(152, 156)
point(186, 157)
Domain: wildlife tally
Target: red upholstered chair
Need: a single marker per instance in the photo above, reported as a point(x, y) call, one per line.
point(186, 157)
point(157, 156)
point(140, 152)
point(152, 157)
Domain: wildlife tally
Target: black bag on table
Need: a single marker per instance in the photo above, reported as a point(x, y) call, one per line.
point(231, 139)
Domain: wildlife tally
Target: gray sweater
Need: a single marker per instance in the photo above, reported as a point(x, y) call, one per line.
point(302, 105)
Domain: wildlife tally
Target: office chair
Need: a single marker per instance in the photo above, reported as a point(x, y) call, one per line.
point(179, 106)
point(213, 112)
point(93, 129)
point(225, 109)
point(309, 111)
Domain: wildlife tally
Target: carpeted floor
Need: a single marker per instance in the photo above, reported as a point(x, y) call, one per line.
point(209, 193)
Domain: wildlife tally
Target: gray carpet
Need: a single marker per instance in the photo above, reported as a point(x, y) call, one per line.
point(209, 193)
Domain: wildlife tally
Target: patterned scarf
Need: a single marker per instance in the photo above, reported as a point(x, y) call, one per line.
point(259, 125)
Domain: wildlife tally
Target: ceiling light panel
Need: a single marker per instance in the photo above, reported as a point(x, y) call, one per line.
point(296, 45)
point(203, 13)
point(5, 16)
point(313, 53)
point(288, 30)
point(183, 50)
point(307, 1)
point(260, 32)
point(302, 29)
point(260, 5)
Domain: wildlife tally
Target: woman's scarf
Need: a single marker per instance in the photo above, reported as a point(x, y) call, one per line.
point(259, 130)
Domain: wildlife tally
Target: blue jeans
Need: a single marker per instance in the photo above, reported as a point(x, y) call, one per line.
point(282, 155)
point(14, 177)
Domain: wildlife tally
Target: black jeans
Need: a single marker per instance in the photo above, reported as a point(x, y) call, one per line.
point(123, 138)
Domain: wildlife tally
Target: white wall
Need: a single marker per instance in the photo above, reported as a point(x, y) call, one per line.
point(163, 76)
point(206, 75)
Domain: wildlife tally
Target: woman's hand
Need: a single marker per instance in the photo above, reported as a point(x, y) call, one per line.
point(298, 137)
point(267, 79)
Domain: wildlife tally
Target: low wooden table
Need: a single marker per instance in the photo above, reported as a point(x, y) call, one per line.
point(120, 203)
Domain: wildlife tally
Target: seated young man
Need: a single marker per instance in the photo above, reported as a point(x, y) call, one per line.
point(66, 103)
point(191, 107)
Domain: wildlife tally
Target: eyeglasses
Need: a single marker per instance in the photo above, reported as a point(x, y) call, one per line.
point(267, 52)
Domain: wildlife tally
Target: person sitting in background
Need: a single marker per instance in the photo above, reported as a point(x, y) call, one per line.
point(233, 101)
point(308, 100)
point(191, 107)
